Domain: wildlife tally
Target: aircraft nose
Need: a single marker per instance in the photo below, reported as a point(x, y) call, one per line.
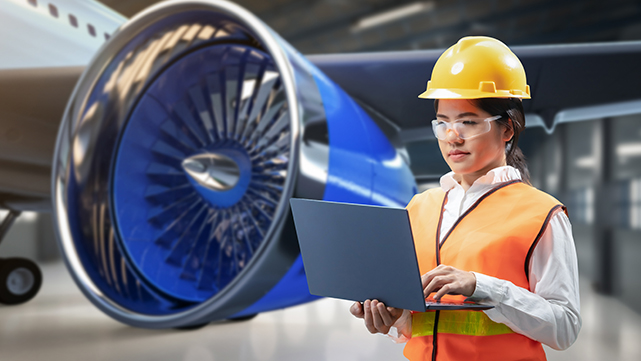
point(213, 171)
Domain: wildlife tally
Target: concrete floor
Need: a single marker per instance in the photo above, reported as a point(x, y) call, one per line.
point(60, 324)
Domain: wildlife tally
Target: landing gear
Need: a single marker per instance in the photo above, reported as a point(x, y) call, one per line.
point(20, 278)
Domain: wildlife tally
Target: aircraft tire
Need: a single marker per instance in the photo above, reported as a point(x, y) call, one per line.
point(20, 280)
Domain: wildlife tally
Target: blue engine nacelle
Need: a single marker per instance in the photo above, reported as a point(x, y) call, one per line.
point(179, 150)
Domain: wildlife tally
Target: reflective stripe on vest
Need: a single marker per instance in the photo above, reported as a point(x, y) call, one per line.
point(470, 323)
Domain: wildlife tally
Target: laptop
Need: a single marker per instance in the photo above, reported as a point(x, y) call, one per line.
point(358, 252)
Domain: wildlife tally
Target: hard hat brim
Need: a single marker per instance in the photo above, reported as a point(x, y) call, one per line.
point(469, 94)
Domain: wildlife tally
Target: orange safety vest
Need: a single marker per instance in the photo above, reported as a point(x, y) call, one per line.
point(496, 237)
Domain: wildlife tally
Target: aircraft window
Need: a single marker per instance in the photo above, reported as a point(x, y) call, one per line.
point(33, 2)
point(92, 30)
point(107, 36)
point(73, 21)
point(53, 10)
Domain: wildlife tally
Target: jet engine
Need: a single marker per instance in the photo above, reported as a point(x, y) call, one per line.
point(179, 150)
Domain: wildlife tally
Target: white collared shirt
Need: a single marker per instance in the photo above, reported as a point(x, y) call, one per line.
point(550, 313)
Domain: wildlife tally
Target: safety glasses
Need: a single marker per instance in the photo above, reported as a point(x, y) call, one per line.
point(467, 128)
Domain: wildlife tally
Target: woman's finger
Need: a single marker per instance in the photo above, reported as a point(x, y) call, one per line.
point(395, 312)
point(436, 284)
point(427, 278)
point(378, 320)
point(369, 321)
point(386, 315)
point(455, 282)
point(440, 270)
point(357, 310)
point(448, 288)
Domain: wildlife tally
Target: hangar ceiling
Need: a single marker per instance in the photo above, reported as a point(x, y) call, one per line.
point(337, 26)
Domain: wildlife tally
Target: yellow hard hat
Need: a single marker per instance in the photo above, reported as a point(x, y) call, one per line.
point(477, 67)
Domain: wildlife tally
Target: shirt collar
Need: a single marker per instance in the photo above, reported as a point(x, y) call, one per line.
point(497, 175)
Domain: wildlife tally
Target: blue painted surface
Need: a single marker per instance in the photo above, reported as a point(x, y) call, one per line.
point(291, 290)
point(351, 172)
point(363, 166)
point(394, 183)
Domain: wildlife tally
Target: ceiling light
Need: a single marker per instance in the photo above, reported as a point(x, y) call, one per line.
point(394, 14)
point(629, 150)
point(588, 162)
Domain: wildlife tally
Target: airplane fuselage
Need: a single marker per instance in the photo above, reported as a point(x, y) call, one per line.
point(55, 33)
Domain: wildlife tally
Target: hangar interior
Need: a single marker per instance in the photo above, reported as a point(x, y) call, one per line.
point(591, 163)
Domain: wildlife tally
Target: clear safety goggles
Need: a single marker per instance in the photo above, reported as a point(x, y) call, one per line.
point(467, 128)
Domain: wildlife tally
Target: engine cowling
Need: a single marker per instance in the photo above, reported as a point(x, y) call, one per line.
point(178, 152)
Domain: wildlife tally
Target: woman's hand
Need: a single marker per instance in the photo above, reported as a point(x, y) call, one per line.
point(378, 318)
point(448, 280)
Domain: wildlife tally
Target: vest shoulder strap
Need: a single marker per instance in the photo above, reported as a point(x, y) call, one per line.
point(424, 211)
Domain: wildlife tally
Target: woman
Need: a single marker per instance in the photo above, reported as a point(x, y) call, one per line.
point(485, 234)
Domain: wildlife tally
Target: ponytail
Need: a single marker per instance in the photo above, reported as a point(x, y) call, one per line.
point(513, 108)
point(516, 159)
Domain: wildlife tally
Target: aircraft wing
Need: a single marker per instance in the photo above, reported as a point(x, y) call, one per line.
point(562, 78)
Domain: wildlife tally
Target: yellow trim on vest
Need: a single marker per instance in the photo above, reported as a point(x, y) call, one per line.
point(470, 323)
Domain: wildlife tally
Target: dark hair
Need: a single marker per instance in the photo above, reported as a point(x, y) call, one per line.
point(510, 108)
